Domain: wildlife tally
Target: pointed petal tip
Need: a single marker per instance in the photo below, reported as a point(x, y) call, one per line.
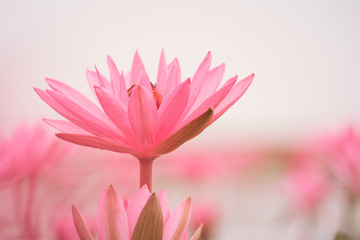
point(210, 110)
point(208, 55)
point(59, 135)
point(96, 68)
point(197, 233)
point(37, 89)
point(145, 188)
point(50, 80)
point(250, 78)
point(46, 120)
point(73, 207)
point(97, 89)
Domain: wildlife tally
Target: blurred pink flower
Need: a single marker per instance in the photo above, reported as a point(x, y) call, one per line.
point(25, 159)
point(343, 158)
point(306, 182)
point(195, 165)
point(206, 213)
point(28, 151)
point(145, 214)
point(137, 116)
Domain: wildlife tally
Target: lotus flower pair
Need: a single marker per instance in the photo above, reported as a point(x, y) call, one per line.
point(145, 216)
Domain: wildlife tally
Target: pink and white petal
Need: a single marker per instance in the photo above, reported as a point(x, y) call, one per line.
point(135, 206)
point(117, 81)
point(65, 113)
point(137, 70)
point(236, 92)
point(96, 142)
point(100, 79)
point(199, 77)
point(164, 203)
point(112, 222)
point(184, 134)
point(114, 76)
point(142, 112)
point(171, 109)
point(116, 111)
point(103, 127)
point(127, 80)
point(161, 81)
point(54, 104)
point(75, 96)
point(174, 76)
point(145, 82)
point(80, 225)
point(65, 126)
point(211, 83)
point(124, 96)
point(78, 98)
point(93, 80)
point(178, 221)
point(212, 101)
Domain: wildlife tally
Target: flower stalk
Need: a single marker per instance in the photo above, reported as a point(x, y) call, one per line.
point(146, 172)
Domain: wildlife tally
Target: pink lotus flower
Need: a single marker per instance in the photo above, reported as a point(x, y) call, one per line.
point(28, 151)
point(139, 117)
point(25, 159)
point(145, 216)
point(306, 182)
point(343, 157)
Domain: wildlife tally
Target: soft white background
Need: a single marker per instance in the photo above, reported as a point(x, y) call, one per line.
point(305, 56)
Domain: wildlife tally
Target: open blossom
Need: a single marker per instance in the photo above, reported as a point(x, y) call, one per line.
point(145, 216)
point(137, 116)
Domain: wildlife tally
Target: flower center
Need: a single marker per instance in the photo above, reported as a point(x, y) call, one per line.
point(156, 95)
